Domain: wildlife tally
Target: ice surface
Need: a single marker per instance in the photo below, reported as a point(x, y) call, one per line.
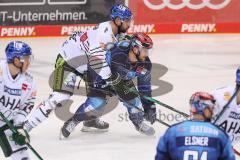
point(195, 62)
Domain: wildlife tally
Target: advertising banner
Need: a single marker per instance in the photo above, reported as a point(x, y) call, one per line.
point(188, 16)
point(64, 30)
point(42, 30)
point(54, 12)
point(35, 18)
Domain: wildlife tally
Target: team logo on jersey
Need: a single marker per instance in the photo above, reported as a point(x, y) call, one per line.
point(10, 102)
point(231, 126)
point(11, 91)
point(227, 96)
point(24, 86)
point(234, 115)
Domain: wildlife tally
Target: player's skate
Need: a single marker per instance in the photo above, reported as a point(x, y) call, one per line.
point(67, 128)
point(145, 129)
point(95, 125)
point(137, 120)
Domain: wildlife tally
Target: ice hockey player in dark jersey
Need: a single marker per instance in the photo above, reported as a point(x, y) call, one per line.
point(127, 59)
point(198, 138)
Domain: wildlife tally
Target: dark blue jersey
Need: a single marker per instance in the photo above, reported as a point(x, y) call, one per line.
point(118, 58)
point(194, 140)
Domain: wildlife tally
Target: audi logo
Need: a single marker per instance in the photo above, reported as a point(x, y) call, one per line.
point(186, 3)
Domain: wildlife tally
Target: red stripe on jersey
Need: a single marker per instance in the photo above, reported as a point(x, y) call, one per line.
point(24, 86)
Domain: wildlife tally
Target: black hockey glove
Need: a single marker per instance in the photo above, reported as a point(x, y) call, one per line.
point(150, 113)
point(122, 87)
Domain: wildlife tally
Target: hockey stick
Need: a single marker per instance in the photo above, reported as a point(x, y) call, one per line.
point(158, 102)
point(155, 101)
point(162, 122)
point(158, 120)
point(109, 92)
point(184, 114)
point(224, 109)
point(226, 105)
point(14, 130)
point(236, 152)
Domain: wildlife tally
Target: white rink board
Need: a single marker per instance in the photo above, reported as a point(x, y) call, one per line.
point(195, 62)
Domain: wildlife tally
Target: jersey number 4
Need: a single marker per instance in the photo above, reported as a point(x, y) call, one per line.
point(193, 155)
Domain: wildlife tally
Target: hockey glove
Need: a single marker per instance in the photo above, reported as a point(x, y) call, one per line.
point(130, 75)
point(100, 84)
point(150, 113)
point(140, 72)
point(21, 137)
point(121, 87)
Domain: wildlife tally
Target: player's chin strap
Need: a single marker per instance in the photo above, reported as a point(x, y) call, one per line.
point(17, 66)
point(118, 26)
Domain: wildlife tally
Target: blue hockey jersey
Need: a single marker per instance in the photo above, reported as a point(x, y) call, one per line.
point(119, 62)
point(194, 140)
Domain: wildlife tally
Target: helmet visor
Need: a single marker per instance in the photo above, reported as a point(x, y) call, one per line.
point(28, 58)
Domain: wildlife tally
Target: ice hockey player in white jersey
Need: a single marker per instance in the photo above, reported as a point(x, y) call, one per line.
point(17, 96)
point(227, 110)
point(79, 51)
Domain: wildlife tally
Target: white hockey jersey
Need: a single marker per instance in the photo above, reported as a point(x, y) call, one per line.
point(89, 47)
point(17, 95)
point(230, 119)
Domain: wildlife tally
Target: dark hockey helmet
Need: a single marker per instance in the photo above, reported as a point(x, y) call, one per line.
point(141, 40)
point(199, 101)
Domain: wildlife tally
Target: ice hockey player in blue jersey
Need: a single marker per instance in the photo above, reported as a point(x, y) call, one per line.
point(196, 139)
point(127, 59)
